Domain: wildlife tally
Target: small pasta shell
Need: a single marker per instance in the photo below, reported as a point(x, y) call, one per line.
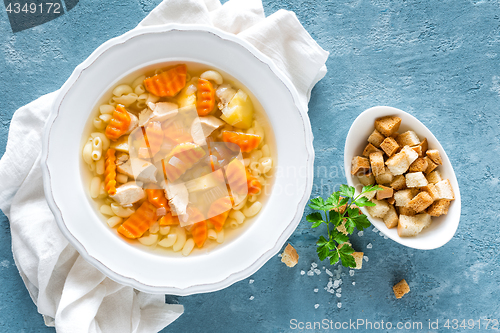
point(168, 241)
point(114, 221)
point(188, 247)
point(149, 240)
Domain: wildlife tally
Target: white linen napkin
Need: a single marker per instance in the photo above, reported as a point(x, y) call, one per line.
point(70, 293)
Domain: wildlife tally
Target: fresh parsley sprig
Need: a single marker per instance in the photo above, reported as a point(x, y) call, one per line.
point(334, 216)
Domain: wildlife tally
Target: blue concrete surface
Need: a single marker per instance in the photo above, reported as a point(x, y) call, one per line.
point(438, 60)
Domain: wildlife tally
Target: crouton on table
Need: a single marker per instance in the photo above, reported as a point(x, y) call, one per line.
point(401, 288)
point(290, 256)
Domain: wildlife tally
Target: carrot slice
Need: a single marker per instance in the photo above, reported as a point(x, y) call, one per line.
point(119, 124)
point(168, 83)
point(200, 233)
point(154, 136)
point(157, 197)
point(220, 205)
point(180, 159)
point(176, 134)
point(253, 184)
point(139, 222)
point(205, 97)
point(236, 177)
point(169, 219)
point(246, 142)
point(110, 172)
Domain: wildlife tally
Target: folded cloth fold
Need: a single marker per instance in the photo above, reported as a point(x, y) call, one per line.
point(70, 293)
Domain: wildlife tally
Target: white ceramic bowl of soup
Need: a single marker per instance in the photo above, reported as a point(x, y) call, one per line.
point(66, 185)
point(443, 227)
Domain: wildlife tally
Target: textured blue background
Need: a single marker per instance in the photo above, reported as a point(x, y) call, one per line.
point(438, 60)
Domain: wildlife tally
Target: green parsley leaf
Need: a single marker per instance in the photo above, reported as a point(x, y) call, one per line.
point(363, 201)
point(322, 252)
point(329, 247)
point(347, 191)
point(317, 203)
point(334, 258)
point(361, 222)
point(370, 188)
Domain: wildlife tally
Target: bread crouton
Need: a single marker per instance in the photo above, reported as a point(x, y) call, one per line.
point(434, 155)
point(412, 225)
point(342, 208)
point(420, 202)
point(370, 149)
point(389, 146)
point(421, 148)
point(431, 166)
point(367, 179)
point(411, 155)
point(384, 178)
point(409, 138)
point(391, 200)
point(369, 195)
point(439, 207)
point(384, 193)
point(420, 165)
point(415, 179)
point(376, 138)
point(434, 177)
point(404, 196)
point(358, 257)
point(399, 183)
point(387, 125)
point(398, 163)
point(445, 190)
point(341, 227)
point(379, 210)
point(401, 288)
point(359, 165)
point(290, 256)
point(406, 211)
point(377, 163)
point(391, 219)
point(431, 189)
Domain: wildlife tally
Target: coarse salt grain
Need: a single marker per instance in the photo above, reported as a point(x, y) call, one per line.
point(316, 306)
point(327, 271)
point(339, 305)
point(339, 290)
point(353, 283)
point(317, 271)
point(250, 281)
point(365, 258)
point(369, 246)
point(375, 229)
point(251, 298)
point(310, 273)
point(337, 283)
point(385, 237)
point(339, 295)
point(351, 272)
point(316, 290)
point(279, 255)
point(314, 265)
point(381, 233)
point(361, 233)
point(302, 272)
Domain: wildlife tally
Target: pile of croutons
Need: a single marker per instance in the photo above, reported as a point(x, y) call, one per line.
point(403, 166)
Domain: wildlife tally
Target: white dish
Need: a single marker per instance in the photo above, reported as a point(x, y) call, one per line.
point(63, 167)
point(442, 228)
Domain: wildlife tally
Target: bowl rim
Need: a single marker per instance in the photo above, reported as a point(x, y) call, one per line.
point(381, 111)
point(234, 276)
